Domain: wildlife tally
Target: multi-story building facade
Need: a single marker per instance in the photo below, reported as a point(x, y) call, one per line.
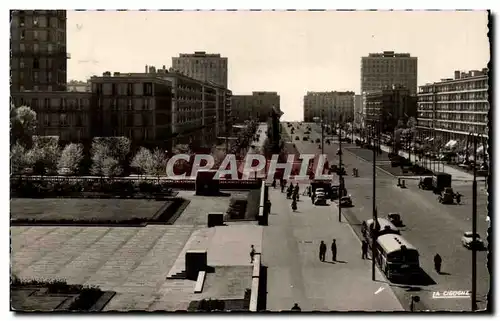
point(202, 66)
point(330, 107)
point(257, 105)
point(59, 113)
point(452, 108)
point(358, 111)
point(38, 50)
point(137, 106)
point(388, 107)
point(382, 70)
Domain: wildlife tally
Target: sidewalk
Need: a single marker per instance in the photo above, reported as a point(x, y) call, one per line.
point(455, 173)
point(295, 273)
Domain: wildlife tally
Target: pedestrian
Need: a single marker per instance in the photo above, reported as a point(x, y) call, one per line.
point(437, 263)
point(274, 183)
point(252, 253)
point(334, 250)
point(296, 308)
point(268, 202)
point(364, 249)
point(322, 251)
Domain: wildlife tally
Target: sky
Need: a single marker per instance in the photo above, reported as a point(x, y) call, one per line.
point(287, 52)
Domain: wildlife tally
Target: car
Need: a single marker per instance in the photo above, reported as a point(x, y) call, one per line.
point(318, 141)
point(346, 201)
point(297, 138)
point(395, 218)
point(468, 243)
point(425, 183)
point(320, 200)
point(307, 132)
point(305, 138)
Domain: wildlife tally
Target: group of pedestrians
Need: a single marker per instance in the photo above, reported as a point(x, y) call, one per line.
point(322, 251)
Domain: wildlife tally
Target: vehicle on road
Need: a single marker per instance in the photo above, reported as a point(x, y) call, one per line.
point(320, 199)
point(395, 218)
point(297, 138)
point(345, 201)
point(425, 183)
point(397, 258)
point(447, 196)
point(318, 140)
point(307, 132)
point(440, 181)
point(384, 226)
point(305, 138)
point(328, 141)
point(469, 243)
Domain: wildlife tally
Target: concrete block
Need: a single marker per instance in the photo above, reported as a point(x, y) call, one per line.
point(215, 219)
point(196, 261)
point(198, 288)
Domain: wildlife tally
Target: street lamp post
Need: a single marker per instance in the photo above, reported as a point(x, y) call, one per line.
point(474, 225)
point(374, 210)
point(341, 180)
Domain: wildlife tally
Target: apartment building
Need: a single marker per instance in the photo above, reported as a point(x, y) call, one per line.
point(59, 113)
point(454, 107)
point(388, 107)
point(331, 106)
point(358, 111)
point(257, 105)
point(79, 86)
point(202, 66)
point(38, 59)
point(382, 70)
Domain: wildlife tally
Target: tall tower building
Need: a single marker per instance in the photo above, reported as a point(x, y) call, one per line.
point(38, 59)
point(383, 70)
point(202, 66)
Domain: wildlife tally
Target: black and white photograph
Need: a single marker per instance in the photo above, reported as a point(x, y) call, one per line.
point(252, 161)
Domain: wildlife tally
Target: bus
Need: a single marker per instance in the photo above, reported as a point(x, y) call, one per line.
point(397, 258)
point(384, 227)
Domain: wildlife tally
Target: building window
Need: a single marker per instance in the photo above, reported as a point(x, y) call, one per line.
point(22, 47)
point(21, 75)
point(35, 76)
point(23, 34)
point(36, 47)
point(53, 22)
point(42, 21)
point(35, 35)
point(49, 48)
point(21, 21)
point(148, 89)
point(36, 63)
point(49, 88)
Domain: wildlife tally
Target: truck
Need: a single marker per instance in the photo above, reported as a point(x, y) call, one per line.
point(440, 181)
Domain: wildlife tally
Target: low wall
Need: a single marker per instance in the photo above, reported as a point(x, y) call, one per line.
point(254, 292)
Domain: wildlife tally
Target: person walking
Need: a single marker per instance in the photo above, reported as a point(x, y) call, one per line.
point(252, 253)
point(334, 250)
point(322, 251)
point(437, 263)
point(364, 249)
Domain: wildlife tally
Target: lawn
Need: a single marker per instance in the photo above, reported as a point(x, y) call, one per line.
point(85, 210)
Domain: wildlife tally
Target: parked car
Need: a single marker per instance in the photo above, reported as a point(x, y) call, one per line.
point(320, 199)
point(346, 201)
point(318, 141)
point(305, 138)
point(297, 138)
point(468, 243)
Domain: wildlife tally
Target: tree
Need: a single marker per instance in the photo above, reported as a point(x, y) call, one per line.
point(111, 167)
point(157, 163)
point(116, 147)
point(71, 157)
point(142, 160)
point(17, 158)
point(99, 154)
point(22, 125)
point(45, 153)
point(181, 149)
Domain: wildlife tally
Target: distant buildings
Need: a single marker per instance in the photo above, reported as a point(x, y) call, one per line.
point(78, 86)
point(158, 108)
point(257, 105)
point(331, 106)
point(38, 50)
point(202, 66)
point(452, 108)
point(358, 111)
point(383, 70)
point(388, 107)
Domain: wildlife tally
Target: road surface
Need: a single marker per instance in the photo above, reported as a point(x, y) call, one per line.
point(430, 226)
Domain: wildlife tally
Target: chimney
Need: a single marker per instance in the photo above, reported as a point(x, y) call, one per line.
point(457, 74)
point(116, 74)
point(146, 69)
point(164, 68)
